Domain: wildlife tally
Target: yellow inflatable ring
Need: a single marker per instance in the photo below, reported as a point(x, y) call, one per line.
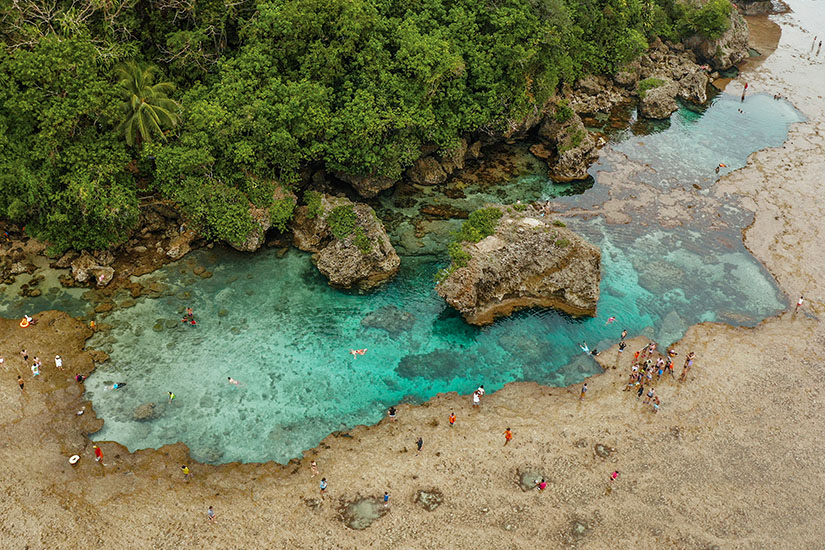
point(24, 322)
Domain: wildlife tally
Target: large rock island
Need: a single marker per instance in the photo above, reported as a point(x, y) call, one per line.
point(520, 260)
point(350, 246)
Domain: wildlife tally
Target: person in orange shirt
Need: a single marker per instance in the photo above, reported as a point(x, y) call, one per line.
point(452, 419)
point(508, 435)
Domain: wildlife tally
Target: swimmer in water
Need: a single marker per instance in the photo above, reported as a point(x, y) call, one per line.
point(584, 347)
point(118, 385)
point(233, 381)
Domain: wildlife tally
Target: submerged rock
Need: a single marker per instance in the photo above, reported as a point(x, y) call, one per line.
point(350, 245)
point(144, 412)
point(391, 319)
point(429, 499)
point(361, 513)
point(528, 262)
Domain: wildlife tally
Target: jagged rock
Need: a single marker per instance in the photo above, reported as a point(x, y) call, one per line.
point(17, 268)
point(540, 150)
point(628, 76)
point(65, 260)
point(694, 87)
point(104, 257)
point(528, 262)
point(595, 94)
point(727, 50)
point(442, 212)
point(367, 186)
point(427, 171)
point(82, 267)
point(454, 160)
point(144, 412)
point(575, 148)
point(103, 275)
point(180, 245)
point(758, 7)
point(473, 151)
point(261, 217)
point(362, 258)
point(659, 102)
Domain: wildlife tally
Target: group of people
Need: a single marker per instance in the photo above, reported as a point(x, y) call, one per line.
point(647, 364)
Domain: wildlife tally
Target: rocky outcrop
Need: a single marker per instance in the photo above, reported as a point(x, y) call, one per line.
point(660, 101)
point(366, 186)
point(180, 245)
point(694, 87)
point(93, 269)
point(574, 146)
point(262, 220)
point(595, 94)
point(349, 244)
point(727, 50)
point(527, 262)
point(435, 169)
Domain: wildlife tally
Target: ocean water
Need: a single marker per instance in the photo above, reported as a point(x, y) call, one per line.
point(274, 324)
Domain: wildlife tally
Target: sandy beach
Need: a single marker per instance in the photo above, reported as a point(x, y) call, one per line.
point(733, 459)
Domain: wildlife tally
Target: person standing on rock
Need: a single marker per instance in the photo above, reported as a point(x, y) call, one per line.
point(419, 444)
point(210, 514)
point(799, 304)
point(641, 391)
point(480, 391)
point(584, 391)
point(98, 453)
point(323, 486)
point(687, 366)
point(313, 466)
point(476, 400)
point(386, 499)
point(391, 412)
point(58, 362)
point(452, 419)
point(508, 436)
point(21, 384)
point(187, 474)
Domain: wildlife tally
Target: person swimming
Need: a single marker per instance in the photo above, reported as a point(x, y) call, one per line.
point(356, 352)
point(233, 381)
point(584, 347)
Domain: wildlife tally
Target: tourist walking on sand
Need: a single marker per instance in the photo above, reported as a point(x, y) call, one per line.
point(313, 466)
point(476, 399)
point(21, 384)
point(584, 391)
point(187, 474)
point(614, 476)
point(419, 444)
point(480, 391)
point(35, 369)
point(58, 362)
point(323, 486)
point(656, 404)
point(386, 499)
point(649, 395)
point(508, 436)
point(25, 355)
point(391, 412)
point(541, 485)
point(640, 391)
point(687, 366)
point(452, 419)
point(799, 303)
point(210, 514)
point(98, 453)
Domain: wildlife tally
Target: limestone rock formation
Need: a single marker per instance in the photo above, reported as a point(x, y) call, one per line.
point(349, 244)
point(659, 102)
point(727, 50)
point(89, 269)
point(575, 148)
point(427, 171)
point(256, 238)
point(180, 245)
point(527, 262)
point(694, 87)
point(367, 186)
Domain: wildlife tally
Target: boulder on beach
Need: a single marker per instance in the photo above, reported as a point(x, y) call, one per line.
point(527, 262)
point(350, 245)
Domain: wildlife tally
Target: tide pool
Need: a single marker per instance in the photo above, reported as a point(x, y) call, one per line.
point(274, 324)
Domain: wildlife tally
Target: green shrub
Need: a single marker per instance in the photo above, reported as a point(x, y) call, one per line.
point(559, 223)
point(281, 212)
point(648, 84)
point(361, 241)
point(563, 111)
point(341, 221)
point(562, 243)
point(480, 224)
point(313, 201)
point(711, 20)
point(458, 255)
point(519, 207)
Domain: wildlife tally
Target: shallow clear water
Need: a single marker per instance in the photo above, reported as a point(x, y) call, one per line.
point(276, 326)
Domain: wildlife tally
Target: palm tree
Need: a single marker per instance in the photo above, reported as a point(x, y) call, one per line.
point(147, 106)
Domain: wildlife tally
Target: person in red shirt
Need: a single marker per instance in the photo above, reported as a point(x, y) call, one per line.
point(98, 453)
point(452, 419)
point(508, 435)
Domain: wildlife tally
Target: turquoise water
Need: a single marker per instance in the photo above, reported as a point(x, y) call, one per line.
point(275, 325)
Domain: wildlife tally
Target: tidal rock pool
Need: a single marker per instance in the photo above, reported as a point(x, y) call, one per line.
point(272, 323)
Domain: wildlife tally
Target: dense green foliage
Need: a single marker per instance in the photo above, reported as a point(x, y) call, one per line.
point(343, 222)
point(312, 199)
point(479, 224)
point(219, 105)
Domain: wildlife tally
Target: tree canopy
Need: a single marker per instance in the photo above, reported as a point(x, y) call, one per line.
point(225, 101)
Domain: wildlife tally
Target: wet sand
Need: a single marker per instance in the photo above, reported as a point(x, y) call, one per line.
point(732, 459)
